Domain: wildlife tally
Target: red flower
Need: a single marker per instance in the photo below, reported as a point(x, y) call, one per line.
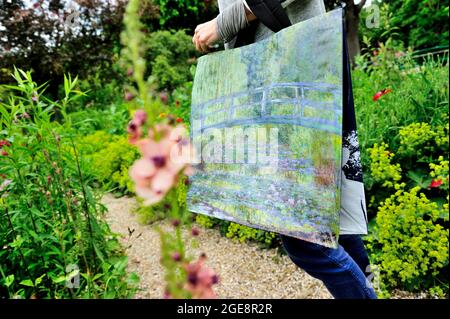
point(4, 153)
point(179, 120)
point(4, 142)
point(379, 94)
point(435, 183)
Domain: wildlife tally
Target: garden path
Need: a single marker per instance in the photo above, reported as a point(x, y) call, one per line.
point(245, 270)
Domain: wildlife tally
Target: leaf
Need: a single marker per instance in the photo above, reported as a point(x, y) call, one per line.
point(9, 280)
point(38, 280)
point(419, 178)
point(27, 282)
point(59, 279)
point(133, 279)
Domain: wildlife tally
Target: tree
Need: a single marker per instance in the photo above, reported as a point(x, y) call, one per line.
point(52, 38)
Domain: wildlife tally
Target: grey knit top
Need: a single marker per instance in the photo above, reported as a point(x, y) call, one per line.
point(297, 10)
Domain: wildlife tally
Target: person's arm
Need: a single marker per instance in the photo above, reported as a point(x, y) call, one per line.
point(224, 27)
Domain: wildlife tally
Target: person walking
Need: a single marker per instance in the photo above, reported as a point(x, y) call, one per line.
point(342, 270)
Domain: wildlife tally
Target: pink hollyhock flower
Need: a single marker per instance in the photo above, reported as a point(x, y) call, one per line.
point(164, 156)
point(201, 279)
point(134, 127)
point(435, 183)
point(379, 94)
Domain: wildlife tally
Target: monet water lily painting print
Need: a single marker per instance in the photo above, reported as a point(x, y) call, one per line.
point(270, 132)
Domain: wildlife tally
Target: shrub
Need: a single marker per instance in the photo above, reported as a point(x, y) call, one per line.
point(185, 13)
point(380, 165)
point(239, 232)
point(409, 237)
point(409, 243)
point(109, 158)
point(244, 233)
point(170, 55)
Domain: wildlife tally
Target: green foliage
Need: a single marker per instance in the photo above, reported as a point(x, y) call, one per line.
point(409, 237)
point(170, 55)
point(51, 226)
point(109, 158)
point(419, 94)
point(404, 150)
point(381, 168)
point(102, 93)
point(244, 233)
point(185, 13)
point(409, 242)
point(205, 221)
point(424, 23)
point(112, 120)
point(239, 232)
point(418, 24)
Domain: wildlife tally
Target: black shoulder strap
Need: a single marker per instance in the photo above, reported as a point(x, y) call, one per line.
point(270, 13)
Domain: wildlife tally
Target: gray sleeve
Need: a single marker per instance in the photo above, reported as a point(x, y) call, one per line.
point(231, 20)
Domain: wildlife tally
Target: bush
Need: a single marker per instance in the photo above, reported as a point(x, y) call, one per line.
point(409, 237)
point(409, 242)
point(170, 55)
point(239, 232)
point(185, 13)
point(109, 158)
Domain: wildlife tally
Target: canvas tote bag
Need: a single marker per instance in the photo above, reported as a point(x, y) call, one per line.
point(268, 121)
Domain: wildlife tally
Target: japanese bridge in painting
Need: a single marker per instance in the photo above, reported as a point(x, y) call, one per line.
point(277, 103)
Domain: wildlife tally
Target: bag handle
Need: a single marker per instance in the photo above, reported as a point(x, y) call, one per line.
point(270, 13)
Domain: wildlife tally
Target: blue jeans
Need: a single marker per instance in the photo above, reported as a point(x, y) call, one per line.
point(342, 270)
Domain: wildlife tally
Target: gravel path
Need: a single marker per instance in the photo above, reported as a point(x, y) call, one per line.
point(245, 270)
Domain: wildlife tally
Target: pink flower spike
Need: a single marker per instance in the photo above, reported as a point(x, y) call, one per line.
point(141, 171)
point(162, 181)
point(176, 256)
point(140, 117)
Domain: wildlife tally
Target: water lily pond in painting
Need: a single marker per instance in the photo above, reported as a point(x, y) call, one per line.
point(267, 121)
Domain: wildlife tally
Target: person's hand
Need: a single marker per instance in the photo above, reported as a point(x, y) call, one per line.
point(205, 35)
